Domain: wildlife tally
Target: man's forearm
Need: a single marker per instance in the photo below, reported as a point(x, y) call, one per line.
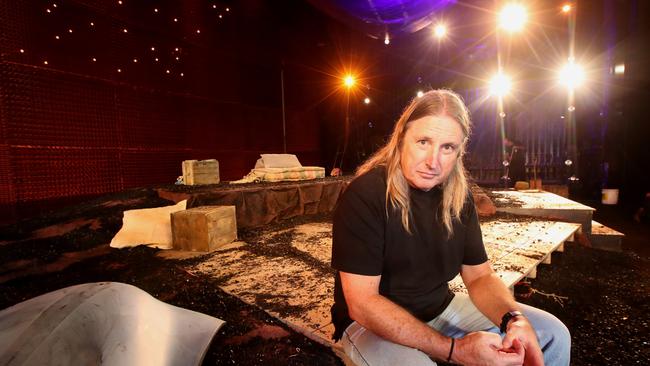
point(491, 297)
point(391, 322)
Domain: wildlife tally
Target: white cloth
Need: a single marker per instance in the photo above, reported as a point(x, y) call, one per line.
point(149, 226)
point(278, 161)
point(106, 323)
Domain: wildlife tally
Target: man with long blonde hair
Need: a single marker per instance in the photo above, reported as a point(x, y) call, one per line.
point(405, 226)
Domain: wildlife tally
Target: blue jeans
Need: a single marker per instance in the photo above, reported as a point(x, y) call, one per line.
point(363, 347)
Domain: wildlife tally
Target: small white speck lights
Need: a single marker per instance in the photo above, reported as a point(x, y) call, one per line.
point(67, 34)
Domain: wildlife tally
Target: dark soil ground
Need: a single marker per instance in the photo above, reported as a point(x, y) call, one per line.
point(607, 303)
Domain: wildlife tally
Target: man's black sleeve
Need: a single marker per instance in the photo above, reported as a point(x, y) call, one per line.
point(474, 248)
point(358, 228)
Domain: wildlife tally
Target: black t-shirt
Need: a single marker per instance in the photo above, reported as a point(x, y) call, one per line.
point(414, 268)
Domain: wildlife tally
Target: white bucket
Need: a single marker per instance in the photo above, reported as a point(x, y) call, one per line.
point(610, 196)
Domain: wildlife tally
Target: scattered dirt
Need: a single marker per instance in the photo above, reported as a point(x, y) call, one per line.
point(60, 229)
point(501, 200)
point(31, 267)
point(607, 308)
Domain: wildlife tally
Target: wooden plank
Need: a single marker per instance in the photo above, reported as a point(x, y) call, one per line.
point(541, 200)
point(544, 205)
point(517, 248)
point(603, 237)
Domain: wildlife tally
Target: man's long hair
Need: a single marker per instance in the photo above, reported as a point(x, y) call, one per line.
point(440, 102)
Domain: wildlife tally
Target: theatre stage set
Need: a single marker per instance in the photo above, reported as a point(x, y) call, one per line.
point(280, 260)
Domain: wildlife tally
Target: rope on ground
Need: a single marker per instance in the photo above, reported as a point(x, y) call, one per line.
point(557, 298)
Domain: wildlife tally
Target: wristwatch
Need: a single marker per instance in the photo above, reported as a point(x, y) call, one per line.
point(506, 319)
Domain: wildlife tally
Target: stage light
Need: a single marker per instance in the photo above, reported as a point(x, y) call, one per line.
point(513, 17)
point(349, 81)
point(387, 39)
point(500, 85)
point(571, 75)
point(440, 30)
point(366, 100)
point(419, 94)
point(619, 69)
point(566, 8)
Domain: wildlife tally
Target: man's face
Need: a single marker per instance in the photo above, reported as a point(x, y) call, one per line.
point(430, 148)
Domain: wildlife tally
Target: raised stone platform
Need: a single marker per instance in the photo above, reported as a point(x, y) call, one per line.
point(258, 204)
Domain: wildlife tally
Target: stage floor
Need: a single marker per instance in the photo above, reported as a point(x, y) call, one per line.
point(287, 272)
point(70, 246)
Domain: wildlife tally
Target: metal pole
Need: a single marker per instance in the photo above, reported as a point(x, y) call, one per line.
point(284, 120)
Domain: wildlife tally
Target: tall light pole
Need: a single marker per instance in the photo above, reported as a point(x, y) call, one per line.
point(348, 82)
point(512, 19)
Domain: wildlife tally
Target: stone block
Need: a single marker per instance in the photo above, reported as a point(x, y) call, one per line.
point(203, 229)
point(197, 172)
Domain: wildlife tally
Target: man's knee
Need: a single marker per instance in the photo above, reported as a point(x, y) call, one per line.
point(561, 334)
point(555, 341)
point(552, 334)
point(362, 347)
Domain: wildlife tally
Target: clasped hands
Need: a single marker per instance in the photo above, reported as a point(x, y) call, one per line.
point(518, 347)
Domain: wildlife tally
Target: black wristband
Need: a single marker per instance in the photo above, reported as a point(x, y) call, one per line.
point(506, 319)
point(451, 350)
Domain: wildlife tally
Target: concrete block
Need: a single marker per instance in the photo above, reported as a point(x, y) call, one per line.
point(204, 229)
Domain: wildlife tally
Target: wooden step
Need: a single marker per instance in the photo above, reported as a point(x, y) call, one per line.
point(515, 249)
point(606, 238)
point(544, 205)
